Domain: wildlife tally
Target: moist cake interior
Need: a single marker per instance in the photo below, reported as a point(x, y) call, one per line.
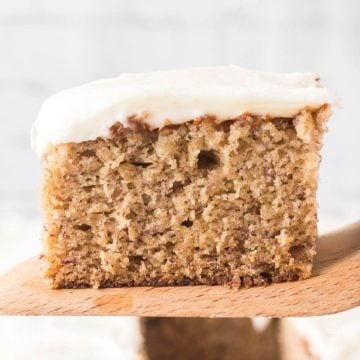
point(203, 202)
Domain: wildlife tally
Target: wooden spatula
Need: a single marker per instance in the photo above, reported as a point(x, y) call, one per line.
point(334, 287)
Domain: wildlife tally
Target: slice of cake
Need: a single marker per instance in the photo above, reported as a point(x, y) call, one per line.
point(210, 339)
point(198, 176)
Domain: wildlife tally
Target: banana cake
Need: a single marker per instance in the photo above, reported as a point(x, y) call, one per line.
point(183, 177)
point(210, 339)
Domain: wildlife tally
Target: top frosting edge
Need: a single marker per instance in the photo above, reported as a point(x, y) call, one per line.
point(88, 111)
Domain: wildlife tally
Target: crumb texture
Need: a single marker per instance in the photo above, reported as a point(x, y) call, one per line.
point(204, 202)
point(211, 339)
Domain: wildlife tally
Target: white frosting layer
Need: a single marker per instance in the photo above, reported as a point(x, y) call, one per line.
point(332, 337)
point(88, 111)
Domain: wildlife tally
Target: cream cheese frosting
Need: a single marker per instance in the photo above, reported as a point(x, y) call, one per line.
point(175, 96)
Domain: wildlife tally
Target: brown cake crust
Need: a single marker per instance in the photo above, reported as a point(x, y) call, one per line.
point(204, 202)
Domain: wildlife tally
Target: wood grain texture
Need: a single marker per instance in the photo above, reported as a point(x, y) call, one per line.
point(334, 287)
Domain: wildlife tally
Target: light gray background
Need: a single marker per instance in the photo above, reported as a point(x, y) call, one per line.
point(46, 46)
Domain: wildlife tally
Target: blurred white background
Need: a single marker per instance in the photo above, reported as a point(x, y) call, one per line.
point(46, 46)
